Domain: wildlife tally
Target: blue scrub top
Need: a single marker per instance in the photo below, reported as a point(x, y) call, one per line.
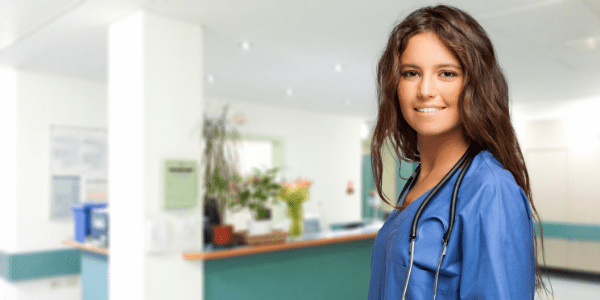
point(491, 250)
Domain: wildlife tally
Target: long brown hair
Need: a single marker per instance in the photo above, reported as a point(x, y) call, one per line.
point(483, 101)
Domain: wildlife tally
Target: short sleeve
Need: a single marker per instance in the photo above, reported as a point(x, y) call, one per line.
point(498, 243)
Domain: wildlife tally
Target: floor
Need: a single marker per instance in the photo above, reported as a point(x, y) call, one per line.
point(571, 289)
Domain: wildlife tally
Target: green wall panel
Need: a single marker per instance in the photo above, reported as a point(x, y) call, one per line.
point(340, 271)
point(406, 169)
point(367, 185)
point(567, 231)
point(33, 265)
point(3, 265)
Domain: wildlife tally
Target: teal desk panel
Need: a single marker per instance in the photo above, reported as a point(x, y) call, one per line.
point(94, 276)
point(337, 271)
point(36, 265)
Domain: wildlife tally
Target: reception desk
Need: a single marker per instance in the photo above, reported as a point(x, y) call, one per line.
point(335, 265)
point(94, 271)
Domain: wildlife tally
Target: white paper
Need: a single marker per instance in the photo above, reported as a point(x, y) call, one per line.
point(82, 153)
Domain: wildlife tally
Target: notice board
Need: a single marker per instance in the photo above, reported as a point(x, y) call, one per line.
point(78, 167)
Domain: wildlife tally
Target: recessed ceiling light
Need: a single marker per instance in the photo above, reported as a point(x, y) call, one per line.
point(210, 78)
point(289, 92)
point(338, 67)
point(245, 45)
point(589, 43)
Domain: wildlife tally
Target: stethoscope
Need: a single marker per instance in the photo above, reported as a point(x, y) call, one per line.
point(468, 157)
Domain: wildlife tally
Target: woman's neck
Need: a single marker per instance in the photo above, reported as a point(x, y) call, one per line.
point(440, 153)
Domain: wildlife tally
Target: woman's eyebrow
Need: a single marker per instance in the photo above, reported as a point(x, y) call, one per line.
point(409, 66)
point(448, 65)
point(451, 65)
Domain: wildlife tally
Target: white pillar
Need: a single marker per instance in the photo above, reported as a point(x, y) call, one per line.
point(155, 110)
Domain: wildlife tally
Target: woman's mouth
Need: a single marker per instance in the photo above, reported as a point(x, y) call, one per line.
point(428, 110)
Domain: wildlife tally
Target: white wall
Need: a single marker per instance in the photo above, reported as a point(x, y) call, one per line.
point(8, 158)
point(564, 170)
point(45, 100)
point(324, 148)
point(55, 288)
point(8, 290)
point(36, 102)
point(563, 160)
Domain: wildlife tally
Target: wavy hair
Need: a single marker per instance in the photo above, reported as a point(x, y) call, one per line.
point(484, 100)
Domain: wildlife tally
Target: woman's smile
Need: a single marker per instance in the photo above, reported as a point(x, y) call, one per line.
point(429, 111)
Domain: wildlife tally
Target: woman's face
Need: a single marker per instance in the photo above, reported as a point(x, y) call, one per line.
point(431, 80)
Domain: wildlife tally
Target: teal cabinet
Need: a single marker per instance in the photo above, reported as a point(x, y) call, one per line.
point(334, 271)
point(94, 276)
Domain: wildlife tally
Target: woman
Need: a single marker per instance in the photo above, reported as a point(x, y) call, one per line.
point(442, 92)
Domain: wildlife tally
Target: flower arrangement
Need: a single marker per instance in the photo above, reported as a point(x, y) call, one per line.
point(255, 192)
point(294, 194)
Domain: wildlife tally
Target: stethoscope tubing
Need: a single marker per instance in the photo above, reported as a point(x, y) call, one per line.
point(468, 157)
point(415, 223)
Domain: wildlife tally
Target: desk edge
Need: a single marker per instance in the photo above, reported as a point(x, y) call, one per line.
point(83, 247)
point(251, 250)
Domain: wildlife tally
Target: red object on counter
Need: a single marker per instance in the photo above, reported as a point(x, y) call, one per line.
point(222, 234)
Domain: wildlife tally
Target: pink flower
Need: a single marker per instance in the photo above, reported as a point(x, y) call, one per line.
point(303, 182)
point(288, 185)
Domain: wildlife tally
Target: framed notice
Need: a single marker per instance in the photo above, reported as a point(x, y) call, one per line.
point(78, 167)
point(181, 184)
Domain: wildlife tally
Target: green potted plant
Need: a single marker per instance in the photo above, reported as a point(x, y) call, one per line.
point(256, 193)
point(218, 161)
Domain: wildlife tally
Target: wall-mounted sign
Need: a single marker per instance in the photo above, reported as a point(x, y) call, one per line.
point(181, 184)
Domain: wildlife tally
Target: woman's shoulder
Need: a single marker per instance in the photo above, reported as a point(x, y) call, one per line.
point(488, 184)
point(486, 171)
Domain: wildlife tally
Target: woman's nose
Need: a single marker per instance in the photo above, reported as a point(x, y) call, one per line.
point(427, 87)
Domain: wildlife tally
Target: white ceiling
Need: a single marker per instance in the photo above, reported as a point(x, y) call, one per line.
point(542, 45)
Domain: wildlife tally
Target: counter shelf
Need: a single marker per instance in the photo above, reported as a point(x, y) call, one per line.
point(97, 250)
point(311, 240)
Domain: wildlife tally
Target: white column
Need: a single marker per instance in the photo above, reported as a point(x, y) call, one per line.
point(155, 108)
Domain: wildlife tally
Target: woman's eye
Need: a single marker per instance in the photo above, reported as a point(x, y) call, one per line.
point(448, 74)
point(410, 74)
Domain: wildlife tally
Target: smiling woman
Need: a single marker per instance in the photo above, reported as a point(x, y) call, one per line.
point(443, 104)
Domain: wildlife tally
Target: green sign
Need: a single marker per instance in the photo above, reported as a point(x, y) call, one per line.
point(181, 184)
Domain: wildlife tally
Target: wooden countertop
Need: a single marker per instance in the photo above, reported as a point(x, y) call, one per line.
point(83, 247)
point(250, 250)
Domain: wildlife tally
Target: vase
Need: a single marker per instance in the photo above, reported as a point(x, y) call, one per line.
point(222, 235)
point(295, 213)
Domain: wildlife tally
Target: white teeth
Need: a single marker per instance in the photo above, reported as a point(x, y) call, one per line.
point(429, 109)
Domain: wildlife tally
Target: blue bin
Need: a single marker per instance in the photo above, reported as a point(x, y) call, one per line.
point(81, 213)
